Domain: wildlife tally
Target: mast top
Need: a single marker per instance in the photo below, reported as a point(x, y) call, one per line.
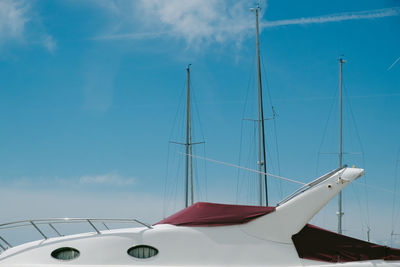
point(257, 7)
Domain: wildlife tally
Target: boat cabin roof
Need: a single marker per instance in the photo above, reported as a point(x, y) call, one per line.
point(212, 214)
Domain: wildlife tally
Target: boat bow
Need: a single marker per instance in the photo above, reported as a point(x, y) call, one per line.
point(293, 213)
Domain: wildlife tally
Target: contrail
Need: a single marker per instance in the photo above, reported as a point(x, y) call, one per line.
point(336, 17)
point(394, 63)
point(369, 14)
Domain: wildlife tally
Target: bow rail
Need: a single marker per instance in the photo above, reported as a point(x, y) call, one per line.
point(36, 224)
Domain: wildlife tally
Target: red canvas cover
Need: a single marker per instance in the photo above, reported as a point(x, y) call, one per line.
point(211, 214)
point(315, 243)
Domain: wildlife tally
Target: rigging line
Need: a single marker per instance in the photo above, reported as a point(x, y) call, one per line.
point(247, 169)
point(166, 183)
point(378, 188)
point(274, 123)
point(241, 131)
point(238, 172)
point(267, 84)
point(196, 108)
point(196, 116)
point(273, 116)
point(177, 183)
point(252, 162)
point(174, 123)
point(196, 179)
point(362, 150)
point(271, 165)
point(179, 129)
point(355, 195)
point(205, 174)
point(248, 178)
point(395, 189)
point(396, 179)
point(277, 154)
point(326, 127)
point(177, 110)
point(240, 158)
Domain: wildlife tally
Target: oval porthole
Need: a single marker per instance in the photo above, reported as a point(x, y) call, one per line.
point(65, 254)
point(142, 252)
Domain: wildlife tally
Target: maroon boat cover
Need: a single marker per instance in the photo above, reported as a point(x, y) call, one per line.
point(211, 214)
point(315, 243)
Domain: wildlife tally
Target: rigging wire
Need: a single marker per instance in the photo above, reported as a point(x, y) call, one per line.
point(394, 216)
point(395, 193)
point(247, 169)
point(241, 133)
point(277, 153)
point(357, 198)
point(196, 109)
point(165, 184)
point(362, 155)
point(195, 180)
point(326, 128)
point(274, 123)
point(324, 136)
point(205, 177)
point(165, 204)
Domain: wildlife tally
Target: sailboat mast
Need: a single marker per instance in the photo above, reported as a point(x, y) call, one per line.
point(188, 145)
point(261, 132)
point(340, 212)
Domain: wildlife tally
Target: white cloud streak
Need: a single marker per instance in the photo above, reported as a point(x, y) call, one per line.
point(113, 179)
point(337, 17)
point(132, 36)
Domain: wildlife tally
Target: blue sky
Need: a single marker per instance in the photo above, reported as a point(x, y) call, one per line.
point(89, 93)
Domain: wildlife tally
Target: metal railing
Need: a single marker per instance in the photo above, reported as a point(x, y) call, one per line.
point(311, 184)
point(36, 224)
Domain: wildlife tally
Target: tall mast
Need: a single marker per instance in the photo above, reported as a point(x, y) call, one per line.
point(262, 167)
point(340, 213)
point(188, 145)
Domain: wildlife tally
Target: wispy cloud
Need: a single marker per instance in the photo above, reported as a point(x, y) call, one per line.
point(13, 18)
point(110, 179)
point(337, 17)
point(49, 43)
point(131, 36)
point(197, 21)
point(99, 71)
point(16, 19)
